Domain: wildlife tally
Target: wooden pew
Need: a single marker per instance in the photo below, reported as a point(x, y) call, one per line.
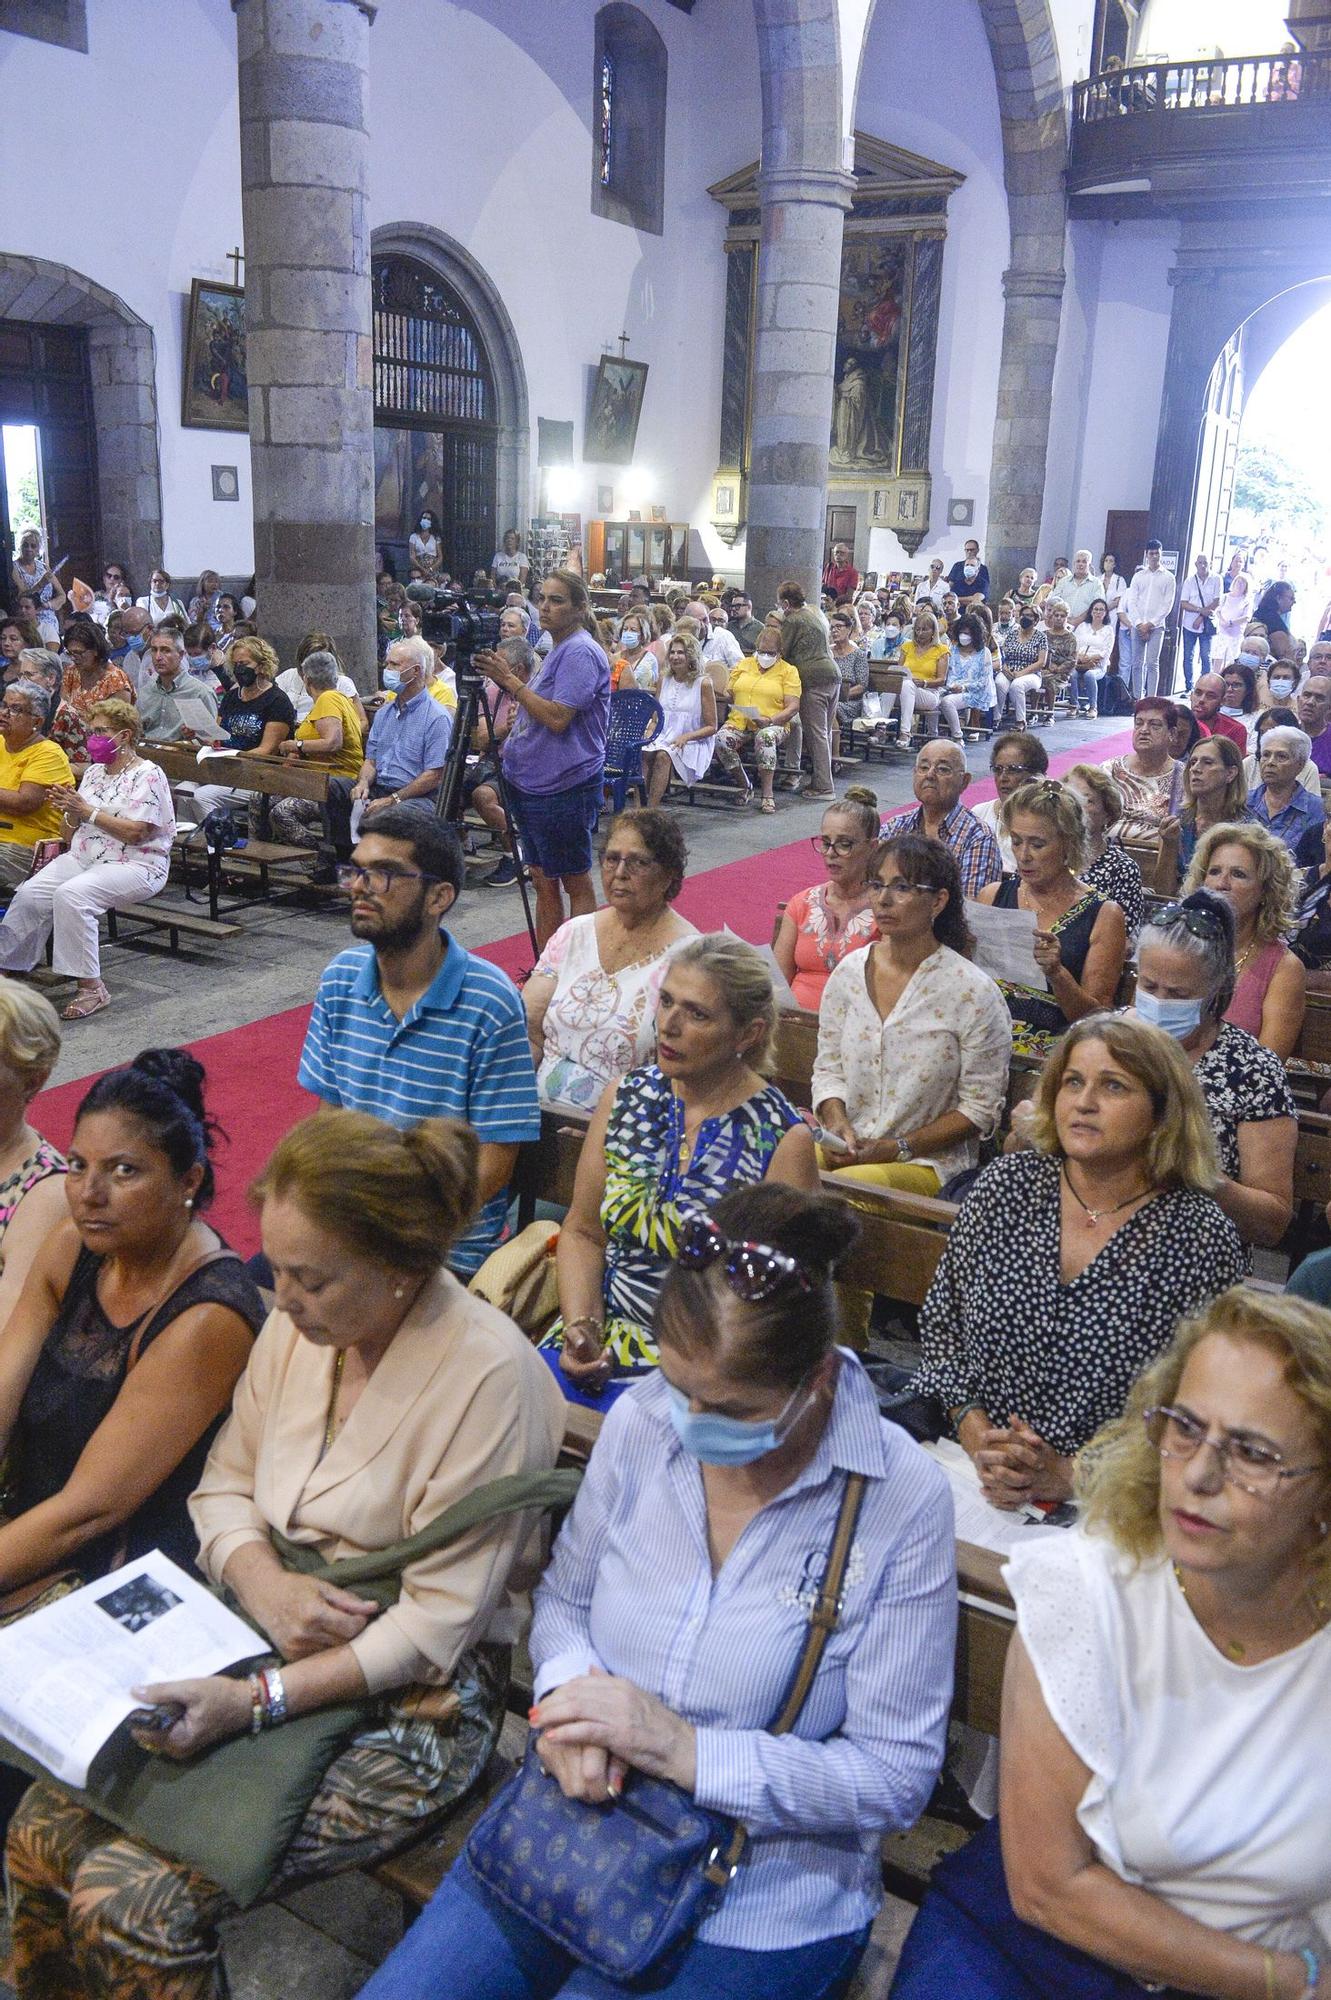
point(796, 1048)
point(267, 779)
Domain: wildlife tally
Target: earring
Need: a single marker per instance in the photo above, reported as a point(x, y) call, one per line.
point(1324, 1527)
point(189, 1201)
point(399, 1291)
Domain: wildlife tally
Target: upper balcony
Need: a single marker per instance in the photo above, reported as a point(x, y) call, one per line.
point(1165, 137)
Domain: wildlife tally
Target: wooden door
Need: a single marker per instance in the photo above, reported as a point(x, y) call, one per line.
point(44, 381)
point(1126, 532)
point(840, 528)
point(1218, 454)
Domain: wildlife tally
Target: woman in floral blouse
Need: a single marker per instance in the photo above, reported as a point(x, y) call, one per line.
point(121, 822)
point(822, 925)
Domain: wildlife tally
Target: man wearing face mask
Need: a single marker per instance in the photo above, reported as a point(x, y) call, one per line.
point(969, 578)
point(764, 695)
point(405, 752)
point(1282, 680)
point(127, 633)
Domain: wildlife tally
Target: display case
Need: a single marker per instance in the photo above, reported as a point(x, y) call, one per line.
point(638, 548)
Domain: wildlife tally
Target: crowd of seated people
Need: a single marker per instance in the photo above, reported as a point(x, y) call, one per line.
point(1087, 1337)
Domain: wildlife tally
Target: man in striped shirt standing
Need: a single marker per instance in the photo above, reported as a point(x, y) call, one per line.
point(408, 1024)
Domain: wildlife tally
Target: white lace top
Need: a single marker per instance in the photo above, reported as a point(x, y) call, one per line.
point(598, 1025)
point(1209, 1779)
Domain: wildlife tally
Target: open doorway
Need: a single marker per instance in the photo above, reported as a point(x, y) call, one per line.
point(20, 487)
point(1280, 516)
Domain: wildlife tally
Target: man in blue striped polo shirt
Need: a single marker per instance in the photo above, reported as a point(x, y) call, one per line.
point(408, 1025)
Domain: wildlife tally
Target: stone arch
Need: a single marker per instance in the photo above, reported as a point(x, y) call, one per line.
point(477, 290)
point(122, 359)
point(804, 127)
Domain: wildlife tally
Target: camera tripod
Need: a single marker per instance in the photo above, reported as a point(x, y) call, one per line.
point(474, 702)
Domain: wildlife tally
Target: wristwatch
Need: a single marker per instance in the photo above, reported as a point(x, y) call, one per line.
point(904, 1153)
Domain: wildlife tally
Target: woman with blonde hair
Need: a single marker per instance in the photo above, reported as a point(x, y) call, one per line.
point(32, 1190)
point(120, 824)
point(687, 741)
point(1255, 873)
point(1162, 1797)
point(378, 1394)
point(1068, 1266)
point(1080, 938)
point(664, 1144)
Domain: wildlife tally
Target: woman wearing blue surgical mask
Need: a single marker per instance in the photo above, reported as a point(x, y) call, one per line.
point(1185, 978)
point(669, 1622)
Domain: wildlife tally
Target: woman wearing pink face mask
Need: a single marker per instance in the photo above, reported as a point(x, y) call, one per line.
point(120, 823)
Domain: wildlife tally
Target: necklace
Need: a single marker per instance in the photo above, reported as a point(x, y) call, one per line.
point(1094, 1216)
point(331, 1425)
point(1317, 1611)
point(1245, 958)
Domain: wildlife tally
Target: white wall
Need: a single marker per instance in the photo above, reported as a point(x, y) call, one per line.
point(137, 186)
point(480, 116)
point(514, 190)
point(1183, 29)
point(955, 123)
point(1108, 379)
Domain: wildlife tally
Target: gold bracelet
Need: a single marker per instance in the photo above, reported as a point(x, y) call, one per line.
point(1269, 1968)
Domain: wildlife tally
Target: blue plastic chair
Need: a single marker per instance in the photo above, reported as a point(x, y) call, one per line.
point(636, 719)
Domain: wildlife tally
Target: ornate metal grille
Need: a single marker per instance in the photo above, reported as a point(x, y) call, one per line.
point(429, 363)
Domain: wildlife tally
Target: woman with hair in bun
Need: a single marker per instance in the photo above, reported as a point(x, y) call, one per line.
point(656, 1653)
point(822, 925)
point(118, 1360)
point(379, 1394)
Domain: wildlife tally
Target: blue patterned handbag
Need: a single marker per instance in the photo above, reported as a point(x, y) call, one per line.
point(623, 1886)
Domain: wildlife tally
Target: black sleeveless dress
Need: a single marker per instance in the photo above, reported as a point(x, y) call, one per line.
point(78, 1376)
point(1037, 1018)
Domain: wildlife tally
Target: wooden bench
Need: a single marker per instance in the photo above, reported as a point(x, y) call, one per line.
point(176, 923)
point(254, 861)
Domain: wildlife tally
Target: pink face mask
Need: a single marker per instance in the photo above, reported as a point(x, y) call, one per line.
point(103, 749)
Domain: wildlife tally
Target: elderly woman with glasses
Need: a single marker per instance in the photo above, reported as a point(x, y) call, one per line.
point(591, 1001)
point(1068, 1266)
point(1149, 778)
point(821, 926)
point(1185, 981)
point(1163, 1797)
point(913, 1040)
point(658, 1653)
point(1014, 760)
point(31, 766)
point(1281, 803)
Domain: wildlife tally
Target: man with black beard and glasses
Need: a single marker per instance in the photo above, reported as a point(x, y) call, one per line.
point(409, 1025)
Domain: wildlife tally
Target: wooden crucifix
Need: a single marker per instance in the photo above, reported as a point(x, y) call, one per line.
point(623, 344)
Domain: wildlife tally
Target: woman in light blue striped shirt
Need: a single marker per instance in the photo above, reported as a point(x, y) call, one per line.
point(675, 1609)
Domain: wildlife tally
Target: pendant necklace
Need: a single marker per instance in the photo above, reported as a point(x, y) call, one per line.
point(1095, 1216)
point(331, 1425)
point(1236, 1649)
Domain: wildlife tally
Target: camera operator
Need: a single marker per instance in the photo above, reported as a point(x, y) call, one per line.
point(554, 758)
point(407, 747)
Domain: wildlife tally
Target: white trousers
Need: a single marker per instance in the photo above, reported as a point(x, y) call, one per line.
point(1015, 692)
point(70, 897)
point(932, 703)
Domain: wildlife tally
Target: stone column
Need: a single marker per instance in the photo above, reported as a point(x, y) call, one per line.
point(304, 152)
point(1032, 308)
point(799, 283)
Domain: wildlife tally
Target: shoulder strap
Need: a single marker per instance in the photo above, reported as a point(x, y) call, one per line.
point(168, 1292)
point(824, 1617)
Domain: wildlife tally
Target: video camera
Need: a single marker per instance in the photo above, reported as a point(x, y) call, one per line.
point(471, 624)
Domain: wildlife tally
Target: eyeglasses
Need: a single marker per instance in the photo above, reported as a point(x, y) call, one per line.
point(1014, 770)
point(1198, 923)
point(898, 891)
point(632, 864)
point(379, 880)
point(1252, 1467)
point(753, 1271)
point(833, 843)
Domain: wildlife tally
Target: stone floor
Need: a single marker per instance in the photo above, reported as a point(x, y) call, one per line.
point(321, 1943)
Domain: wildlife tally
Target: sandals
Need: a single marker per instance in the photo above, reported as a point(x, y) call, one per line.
point(91, 1001)
point(768, 806)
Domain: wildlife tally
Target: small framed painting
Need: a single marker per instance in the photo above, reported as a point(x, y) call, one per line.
point(605, 500)
point(215, 393)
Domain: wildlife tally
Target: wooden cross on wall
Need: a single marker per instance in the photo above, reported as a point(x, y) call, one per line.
point(623, 344)
point(236, 258)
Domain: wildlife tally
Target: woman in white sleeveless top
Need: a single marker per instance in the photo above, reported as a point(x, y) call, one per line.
point(688, 737)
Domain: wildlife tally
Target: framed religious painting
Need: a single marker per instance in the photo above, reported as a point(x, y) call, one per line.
point(870, 324)
point(612, 421)
point(215, 393)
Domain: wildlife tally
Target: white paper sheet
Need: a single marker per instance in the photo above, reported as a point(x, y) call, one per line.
point(196, 715)
point(988, 1527)
point(66, 1671)
point(1005, 944)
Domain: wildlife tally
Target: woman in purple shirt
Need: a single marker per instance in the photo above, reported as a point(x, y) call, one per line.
point(554, 757)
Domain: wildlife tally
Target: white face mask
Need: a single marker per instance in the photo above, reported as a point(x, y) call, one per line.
point(766, 661)
point(425, 527)
point(971, 568)
point(964, 639)
point(1282, 687)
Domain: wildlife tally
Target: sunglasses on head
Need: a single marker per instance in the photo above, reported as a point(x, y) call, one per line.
point(753, 1271)
point(1199, 923)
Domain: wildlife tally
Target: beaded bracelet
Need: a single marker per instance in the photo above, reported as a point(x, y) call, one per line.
point(1312, 1965)
point(257, 1704)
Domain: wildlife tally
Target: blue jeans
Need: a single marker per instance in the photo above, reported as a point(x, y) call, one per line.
point(1191, 641)
point(466, 1946)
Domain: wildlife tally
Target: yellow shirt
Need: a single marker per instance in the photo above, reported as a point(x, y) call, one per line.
point(440, 692)
point(770, 692)
point(352, 754)
point(923, 661)
point(42, 763)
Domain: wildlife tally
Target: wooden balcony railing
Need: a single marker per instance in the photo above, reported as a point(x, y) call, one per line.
point(1179, 88)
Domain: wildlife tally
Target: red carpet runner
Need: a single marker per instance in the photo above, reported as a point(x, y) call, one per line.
point(252, 1087)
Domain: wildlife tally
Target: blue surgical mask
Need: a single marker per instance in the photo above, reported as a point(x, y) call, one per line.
point(392, 679)
point(135, 642)
point(1179, 1018)
point(1228, 708)
point(718, 1440)
point(200, 660)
